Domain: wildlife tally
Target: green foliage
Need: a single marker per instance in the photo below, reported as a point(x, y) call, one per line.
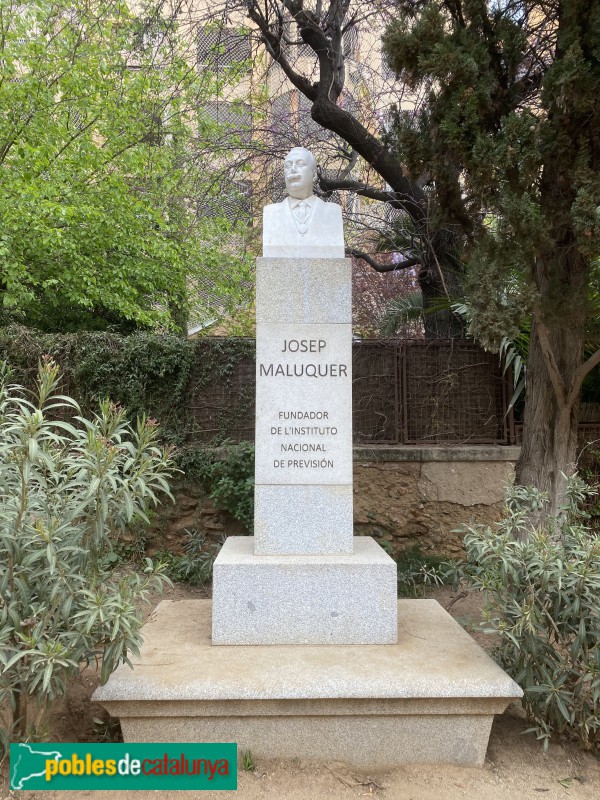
point(107, 729)
point(195, 566)
point(143, 372)
point(146, 373)
point(542, 589)
point(228, 475)
point(588, 465)
point(248, 762)
point(508, 134)
point(400, 311)
point(102, 169)
point(417, 570)
point(65, 491)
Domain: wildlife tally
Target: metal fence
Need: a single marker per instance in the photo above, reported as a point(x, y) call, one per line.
point(223, 408)
point(429, 392)
point(404, 392)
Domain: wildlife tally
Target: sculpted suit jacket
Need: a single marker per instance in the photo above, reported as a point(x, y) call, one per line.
point(323, 239)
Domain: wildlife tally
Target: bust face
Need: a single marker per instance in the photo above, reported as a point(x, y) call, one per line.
point(299, 170)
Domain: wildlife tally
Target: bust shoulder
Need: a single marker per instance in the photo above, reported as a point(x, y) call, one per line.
point(271, 207)
point(329, 208)
point(322, 237)
point(333, 208)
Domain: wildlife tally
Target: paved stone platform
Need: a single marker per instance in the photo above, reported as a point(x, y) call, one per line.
point(429, 698)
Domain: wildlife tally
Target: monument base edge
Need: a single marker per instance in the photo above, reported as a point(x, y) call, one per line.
point(314, 703)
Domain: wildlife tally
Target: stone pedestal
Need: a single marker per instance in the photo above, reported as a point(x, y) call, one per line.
point(303, 578)
point(303, 494)
point(429, 698)
point(308, 599)
point(335, 671)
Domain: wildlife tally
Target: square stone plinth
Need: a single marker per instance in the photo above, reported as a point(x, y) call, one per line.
point(304, 290)
point(294, 520)
point(349, 598)
point(430, 698)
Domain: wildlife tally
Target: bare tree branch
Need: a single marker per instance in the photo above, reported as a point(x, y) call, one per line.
point(358, 187)
point(272, 42)
point(580, 374)
point(378, 266)
point(324, 36)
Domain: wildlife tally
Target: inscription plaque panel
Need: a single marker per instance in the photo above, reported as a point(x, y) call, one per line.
point(303, 404)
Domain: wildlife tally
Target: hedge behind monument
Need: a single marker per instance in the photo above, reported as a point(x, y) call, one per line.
point(154, 374)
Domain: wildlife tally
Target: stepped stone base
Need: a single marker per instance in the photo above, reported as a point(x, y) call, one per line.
point(346, 598)
point(430, 698)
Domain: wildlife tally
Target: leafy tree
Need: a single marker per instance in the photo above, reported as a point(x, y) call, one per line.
point(100, 172)
point(511, 136)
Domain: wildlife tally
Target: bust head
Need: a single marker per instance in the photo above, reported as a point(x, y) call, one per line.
point(299, 169)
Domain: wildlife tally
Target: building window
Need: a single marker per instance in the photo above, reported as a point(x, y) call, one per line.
point(308, 129)
point(220, 47)
point(233, 118)
point(350, 43)
point(281, 121)
point(234, 202)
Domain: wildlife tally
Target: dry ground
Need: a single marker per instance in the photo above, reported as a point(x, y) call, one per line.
point(515, 768)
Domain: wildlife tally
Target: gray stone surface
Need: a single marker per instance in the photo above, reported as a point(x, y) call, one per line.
point(303, 519)
point(429, 698)
point(303, 599)
point(308, 291)
point(466, 483)
point(364, 741)
point(399, 452)
point(327, 397)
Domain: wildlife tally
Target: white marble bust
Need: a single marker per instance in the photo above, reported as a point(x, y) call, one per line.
point(302, 226)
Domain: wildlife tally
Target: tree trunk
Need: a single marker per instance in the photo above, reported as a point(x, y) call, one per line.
point(549, 448)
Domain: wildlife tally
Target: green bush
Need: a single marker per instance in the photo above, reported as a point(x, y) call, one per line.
point(227, 473)
point(65, 492)
point(416, 571)
point(542, 590)
point(588, 466)
point(195, 566)
point(162, 376)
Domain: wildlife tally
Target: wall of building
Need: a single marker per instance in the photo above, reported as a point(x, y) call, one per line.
point(404, 496)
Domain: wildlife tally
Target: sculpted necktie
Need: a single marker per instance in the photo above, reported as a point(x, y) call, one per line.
point(301, 214)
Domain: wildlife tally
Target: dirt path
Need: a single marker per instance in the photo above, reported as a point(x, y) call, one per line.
point(516, 769)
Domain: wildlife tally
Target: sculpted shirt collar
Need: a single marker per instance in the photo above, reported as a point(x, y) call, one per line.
point(295, 202)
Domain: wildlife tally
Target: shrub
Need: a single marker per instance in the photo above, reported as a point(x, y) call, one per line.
point(65, 492)
point(227, 473)
point(416, 571)
point(195, 566)
point(199, 390)
point(542, 600)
